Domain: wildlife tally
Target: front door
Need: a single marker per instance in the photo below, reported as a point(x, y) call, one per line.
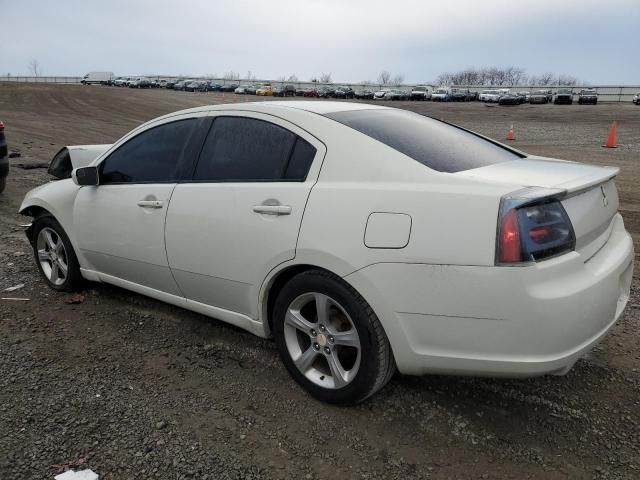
point(240, 215)
point(120, 223)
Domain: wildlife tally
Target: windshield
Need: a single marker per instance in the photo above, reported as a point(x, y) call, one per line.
point(435, 144)
point(420, 89)
point(440, 91)
point(564, 90)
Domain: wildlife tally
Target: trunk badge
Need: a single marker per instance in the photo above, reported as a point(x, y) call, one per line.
point(605, 199)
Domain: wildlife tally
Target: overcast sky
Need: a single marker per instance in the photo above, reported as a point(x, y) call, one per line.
point(596, 41)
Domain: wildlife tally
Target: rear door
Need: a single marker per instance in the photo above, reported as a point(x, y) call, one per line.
point(120, 223)
point(240, 215)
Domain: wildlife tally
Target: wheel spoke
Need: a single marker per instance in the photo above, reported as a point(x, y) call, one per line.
point(295, 319)
point(306, 359)
point(337, 372)
point(44, 256)
point(322, 308)
point(346, 339)
point(50, 242)
point(62, 266)
point(54, 271)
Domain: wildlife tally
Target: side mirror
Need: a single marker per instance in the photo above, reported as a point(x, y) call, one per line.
point(85, 176)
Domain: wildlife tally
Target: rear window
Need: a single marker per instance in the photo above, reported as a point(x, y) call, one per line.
point(435, 144)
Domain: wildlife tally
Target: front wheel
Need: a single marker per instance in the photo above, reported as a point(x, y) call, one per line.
point(330, 340)
point(54, 255)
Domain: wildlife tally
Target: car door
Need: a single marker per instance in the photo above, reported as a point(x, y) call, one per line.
point(120, 223)
point(240, 215)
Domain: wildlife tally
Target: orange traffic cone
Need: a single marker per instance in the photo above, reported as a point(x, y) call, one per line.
point(611, 139)
point(510, 134)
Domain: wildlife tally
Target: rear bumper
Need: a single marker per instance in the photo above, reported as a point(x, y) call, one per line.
point(500, 321)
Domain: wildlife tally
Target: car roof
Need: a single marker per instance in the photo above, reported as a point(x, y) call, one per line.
point(310, 106)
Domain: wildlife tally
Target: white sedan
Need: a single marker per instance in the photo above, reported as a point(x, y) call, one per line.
point(362, 238)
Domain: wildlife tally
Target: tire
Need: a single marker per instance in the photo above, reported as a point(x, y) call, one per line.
point(364, 368)
point(3, 184)
point(47, 226)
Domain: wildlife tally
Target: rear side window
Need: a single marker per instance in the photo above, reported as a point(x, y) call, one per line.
point(437, 145)
point(246, 149)
point(152, 156)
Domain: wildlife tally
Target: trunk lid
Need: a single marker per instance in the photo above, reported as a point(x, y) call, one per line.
point(591, 200)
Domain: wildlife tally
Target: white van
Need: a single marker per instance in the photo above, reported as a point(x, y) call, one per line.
point(103, 78)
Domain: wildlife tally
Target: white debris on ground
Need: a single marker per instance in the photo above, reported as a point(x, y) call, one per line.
point(80, 475)
point(12, 289)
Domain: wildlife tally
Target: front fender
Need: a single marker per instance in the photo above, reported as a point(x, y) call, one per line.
point(58, 199)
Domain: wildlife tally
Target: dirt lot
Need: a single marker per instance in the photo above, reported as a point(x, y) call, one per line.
point(133, 388)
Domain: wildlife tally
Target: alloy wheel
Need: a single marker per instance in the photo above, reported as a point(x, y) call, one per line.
point(52, 256)
point(322, 340)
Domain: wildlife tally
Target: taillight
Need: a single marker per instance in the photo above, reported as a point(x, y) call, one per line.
point(533, 229)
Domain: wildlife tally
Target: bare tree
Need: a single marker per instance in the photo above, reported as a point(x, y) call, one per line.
point(34, 68)
point(281, 78)
point(250, 75)
point(231, 75)
point(292, 78)
point(384, 78)
point(567, 80)
point(325, 78)
point(398, 79)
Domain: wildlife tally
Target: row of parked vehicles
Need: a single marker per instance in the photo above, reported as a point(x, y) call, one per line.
point(501, 96)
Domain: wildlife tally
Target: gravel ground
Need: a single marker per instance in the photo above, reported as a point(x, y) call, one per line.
point(136, 389)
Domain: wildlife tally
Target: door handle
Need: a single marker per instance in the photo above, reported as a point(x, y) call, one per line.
point(272, 209)
point(150, 203)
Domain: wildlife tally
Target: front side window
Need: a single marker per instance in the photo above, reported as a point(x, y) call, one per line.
point(246, 149)
point(152, 156)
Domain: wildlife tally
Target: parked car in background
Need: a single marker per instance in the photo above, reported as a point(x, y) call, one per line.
point(121, 81)
point(310, 92)
point(99, 78)
point(381, 94)
point(196, 86)
point(249, 89)
point(284, 91)
point(181, 84)
point(343, 92)
point(539, 96)
point(214, 87)
point(563, 96)
point(492, 96)
point(460, 95)
point(398, 94)
point(441, 95)
point(588, 96)
point(511, 98)
point(229, 87)
point(636, 99)
point(363, 94)
point(140, 82)
point(265, 91)
point(420, 92)
point(528, 269)
point(473, 96)
point(325, 92)
point(525, 95)
point(4, 158)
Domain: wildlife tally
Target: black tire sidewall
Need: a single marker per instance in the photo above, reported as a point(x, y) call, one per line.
point(368, 372)
point(74, 276)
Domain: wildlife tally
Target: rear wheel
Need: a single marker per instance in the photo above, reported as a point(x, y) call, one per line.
point(54, 255)
point(330, 340)
point(3, 183)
